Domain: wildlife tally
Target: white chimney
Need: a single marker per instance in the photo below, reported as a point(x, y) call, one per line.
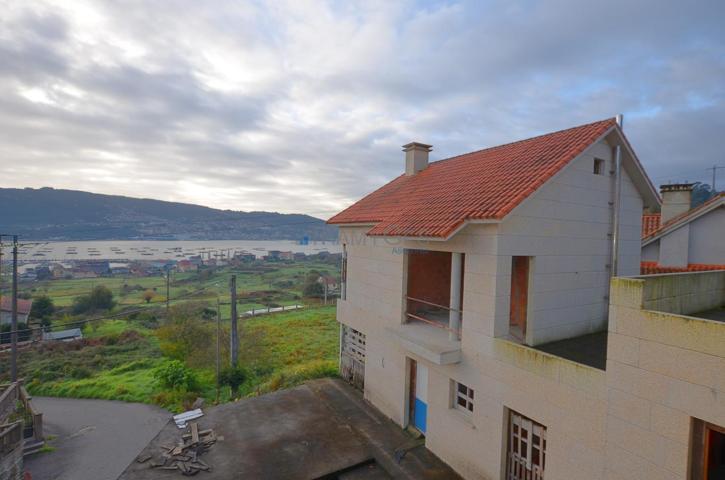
point(416, 157)
point(676, 199)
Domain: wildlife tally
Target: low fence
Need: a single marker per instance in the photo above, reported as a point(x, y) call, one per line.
point(8, 399)
point(33, 419)
point(11, 435)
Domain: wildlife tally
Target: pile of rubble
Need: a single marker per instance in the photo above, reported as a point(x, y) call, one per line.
point(185, 455)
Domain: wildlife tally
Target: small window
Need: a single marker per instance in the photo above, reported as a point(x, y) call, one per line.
point(598, 166)
point(463, 397)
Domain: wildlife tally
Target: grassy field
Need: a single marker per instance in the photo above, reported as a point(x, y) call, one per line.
point(118, 359)
point(279, 283)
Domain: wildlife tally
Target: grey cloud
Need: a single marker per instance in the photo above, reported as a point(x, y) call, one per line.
point(315, 102)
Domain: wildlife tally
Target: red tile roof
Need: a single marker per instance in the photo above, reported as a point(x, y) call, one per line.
point(6, 305)
point(651, 230)
point(486, 184)
point(650, 223)
point(649, 268)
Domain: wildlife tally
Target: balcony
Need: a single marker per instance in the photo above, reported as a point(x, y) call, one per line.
point(431, 326)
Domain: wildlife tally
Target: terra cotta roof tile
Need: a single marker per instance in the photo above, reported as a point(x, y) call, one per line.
point(486, 184)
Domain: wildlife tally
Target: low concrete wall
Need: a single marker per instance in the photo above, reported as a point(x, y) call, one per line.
point(663, 370)
point(683, 293)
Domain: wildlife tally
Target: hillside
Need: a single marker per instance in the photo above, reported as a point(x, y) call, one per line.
point(51, 214)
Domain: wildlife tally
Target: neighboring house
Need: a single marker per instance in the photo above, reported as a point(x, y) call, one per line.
point(475, 308)
point(6, 310)
point(684, 239)
point(186, 266)
point(63, 335)
point(57, 270)
point(329, 281)
point(120, 268)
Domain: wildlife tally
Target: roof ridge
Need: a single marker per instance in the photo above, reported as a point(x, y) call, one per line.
point(535, 137)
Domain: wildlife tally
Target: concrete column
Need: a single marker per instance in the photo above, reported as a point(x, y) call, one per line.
point(454, 315)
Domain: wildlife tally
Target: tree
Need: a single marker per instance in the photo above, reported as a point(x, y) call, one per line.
point(148, 295)
point(42, 309)
point(701, 193)
point(100, 298)
point(314, 289)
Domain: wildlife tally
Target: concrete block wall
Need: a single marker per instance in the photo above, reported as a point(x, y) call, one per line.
point(663, 370)
point(706, 243)
point(674, 247)
point(565, 225)
point(566, 397)
point(684, 293)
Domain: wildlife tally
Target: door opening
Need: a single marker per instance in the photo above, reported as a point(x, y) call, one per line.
point(519, 296)
point(418, 396)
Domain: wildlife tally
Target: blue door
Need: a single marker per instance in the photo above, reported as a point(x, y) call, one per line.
point(419, 395)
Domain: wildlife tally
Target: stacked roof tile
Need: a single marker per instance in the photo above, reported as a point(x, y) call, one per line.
point(652, 224)
point(483, 185)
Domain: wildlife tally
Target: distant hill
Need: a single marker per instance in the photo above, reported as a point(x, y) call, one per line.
point(50, 214)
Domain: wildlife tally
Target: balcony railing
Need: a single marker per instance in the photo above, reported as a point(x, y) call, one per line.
point(436, 315)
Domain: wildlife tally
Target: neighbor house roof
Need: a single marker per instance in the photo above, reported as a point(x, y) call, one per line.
point(63, 334)
point(650, 223)
point(483, 185)
point(6, 305)
point(657, 229)
point(650, 268)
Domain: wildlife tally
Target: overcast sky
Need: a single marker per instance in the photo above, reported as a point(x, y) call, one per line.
point(302, 106)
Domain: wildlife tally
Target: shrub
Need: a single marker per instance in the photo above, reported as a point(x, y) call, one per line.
point(174, 374)
point(23, 333)
point(148, 295)
point(42, 309)
point(233, 377)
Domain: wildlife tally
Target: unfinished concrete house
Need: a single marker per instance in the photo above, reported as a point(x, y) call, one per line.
point(681, 238)
point(475, 302)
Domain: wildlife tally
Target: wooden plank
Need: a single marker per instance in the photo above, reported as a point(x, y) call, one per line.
point(194, 432)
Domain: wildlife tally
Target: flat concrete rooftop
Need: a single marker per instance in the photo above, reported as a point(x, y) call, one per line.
point(717, 314)
point(320, 430)
point(588, 349)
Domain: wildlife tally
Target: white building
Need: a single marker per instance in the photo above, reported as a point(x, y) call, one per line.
point(684, 238)
point(475, 297)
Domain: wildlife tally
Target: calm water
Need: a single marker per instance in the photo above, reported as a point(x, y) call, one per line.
point(159, 249)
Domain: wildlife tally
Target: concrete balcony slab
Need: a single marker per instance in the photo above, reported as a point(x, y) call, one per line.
point(428, 342)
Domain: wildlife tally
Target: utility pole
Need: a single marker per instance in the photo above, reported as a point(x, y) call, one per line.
point(324, 283)
point(218, 345)
point(168, 279)
point(234, 334)
point(714, 169)
point(1, 272)
point(14, 324)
